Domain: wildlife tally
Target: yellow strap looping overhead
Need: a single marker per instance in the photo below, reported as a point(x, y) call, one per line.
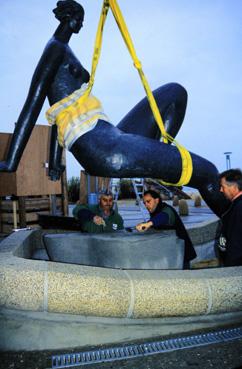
point(127, 39)
point(97, 48)
point(185, 155)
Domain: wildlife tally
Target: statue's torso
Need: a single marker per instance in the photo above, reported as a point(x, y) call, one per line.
point(69, 77)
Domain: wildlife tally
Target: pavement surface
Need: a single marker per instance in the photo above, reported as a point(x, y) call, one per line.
point(227, 355)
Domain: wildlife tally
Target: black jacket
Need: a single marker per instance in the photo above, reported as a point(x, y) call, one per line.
point(232, 231)
point(178, 225)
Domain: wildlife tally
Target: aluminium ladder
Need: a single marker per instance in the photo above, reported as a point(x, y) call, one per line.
point(138, 185)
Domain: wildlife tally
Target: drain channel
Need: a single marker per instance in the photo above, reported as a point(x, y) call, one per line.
point(144, 349)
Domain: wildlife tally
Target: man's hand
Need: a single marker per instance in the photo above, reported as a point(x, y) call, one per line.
point(99, 220)
point(142, 227)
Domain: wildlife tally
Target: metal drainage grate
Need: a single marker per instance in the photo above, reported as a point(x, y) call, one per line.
point(144, 349)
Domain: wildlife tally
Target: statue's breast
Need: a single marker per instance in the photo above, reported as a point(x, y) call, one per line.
point(68, 78)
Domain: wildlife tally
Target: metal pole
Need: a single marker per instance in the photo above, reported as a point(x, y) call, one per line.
point(227, 157)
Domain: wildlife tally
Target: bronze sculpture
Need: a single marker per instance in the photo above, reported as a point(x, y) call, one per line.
point(132, 148)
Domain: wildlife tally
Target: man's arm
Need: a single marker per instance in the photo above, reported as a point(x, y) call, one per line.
point(160, 219)
point(156, 221)
point(84, 214)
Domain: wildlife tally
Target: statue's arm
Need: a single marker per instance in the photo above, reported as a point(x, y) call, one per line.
point(56, 168)
point(40, 83)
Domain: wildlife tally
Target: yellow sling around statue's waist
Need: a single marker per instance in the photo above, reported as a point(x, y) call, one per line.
point(74, 116)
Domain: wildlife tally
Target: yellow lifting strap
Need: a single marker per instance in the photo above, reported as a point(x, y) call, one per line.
point(187, 166)
point(185, 155)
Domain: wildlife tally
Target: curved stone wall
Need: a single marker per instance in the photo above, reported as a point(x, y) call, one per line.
point(92, 291)
point(46, 305)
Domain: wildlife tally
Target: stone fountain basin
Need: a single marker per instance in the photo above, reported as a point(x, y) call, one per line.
point(160, 250)
point(48, 304)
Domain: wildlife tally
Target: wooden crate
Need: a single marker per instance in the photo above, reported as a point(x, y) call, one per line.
point(30, 179)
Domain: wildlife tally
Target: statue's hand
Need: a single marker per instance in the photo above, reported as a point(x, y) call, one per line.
point(4, 167)
point(55, 173)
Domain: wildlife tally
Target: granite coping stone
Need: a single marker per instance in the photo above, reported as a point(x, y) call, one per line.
point(44, 286)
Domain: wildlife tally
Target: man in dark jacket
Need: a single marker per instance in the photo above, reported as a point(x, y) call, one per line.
point(164, 216)
point(99, 218)
point(230, 241)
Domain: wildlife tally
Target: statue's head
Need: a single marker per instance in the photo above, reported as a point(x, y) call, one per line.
point(70, 11)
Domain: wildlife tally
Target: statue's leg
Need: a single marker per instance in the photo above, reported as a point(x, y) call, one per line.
point(171, 100)
point(106, 151)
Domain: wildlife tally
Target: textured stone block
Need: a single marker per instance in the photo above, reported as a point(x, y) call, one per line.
point(226, 294)
point(87, 291)
point(166, 294)
point(21, 288)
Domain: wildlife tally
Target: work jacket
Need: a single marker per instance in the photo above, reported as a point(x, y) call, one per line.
point(166, 217)
point(86, 213)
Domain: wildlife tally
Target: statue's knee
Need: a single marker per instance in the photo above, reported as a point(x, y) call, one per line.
point(105, 165)
point(115, 163)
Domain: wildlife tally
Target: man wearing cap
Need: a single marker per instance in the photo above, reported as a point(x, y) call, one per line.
point(99, 218)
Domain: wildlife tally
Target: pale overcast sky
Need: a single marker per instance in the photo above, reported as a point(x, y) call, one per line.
point(192, 42)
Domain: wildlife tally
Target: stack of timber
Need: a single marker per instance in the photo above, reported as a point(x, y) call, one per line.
point(23, 212)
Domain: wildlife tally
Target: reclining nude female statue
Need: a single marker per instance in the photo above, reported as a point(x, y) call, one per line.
point(130, 149)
